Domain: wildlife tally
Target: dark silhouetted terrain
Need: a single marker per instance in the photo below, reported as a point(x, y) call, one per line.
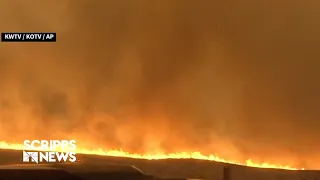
point(171, 168)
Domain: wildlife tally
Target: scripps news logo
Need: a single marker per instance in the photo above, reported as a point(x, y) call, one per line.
point(38, 151)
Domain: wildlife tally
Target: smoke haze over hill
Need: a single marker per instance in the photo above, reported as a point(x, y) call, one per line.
point(238, 79)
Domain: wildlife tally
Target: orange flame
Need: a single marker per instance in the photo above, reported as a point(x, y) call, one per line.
point(181, 155)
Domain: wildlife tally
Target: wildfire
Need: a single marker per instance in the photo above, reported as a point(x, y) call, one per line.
point(181, 155)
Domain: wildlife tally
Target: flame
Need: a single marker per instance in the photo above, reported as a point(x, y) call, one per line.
point(181, 155)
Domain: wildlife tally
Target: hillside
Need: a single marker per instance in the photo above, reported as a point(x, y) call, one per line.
point(183, 168)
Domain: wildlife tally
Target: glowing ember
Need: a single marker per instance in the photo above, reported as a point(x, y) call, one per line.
point(181, 155)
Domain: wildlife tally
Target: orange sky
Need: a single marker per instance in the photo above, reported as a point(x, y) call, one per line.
point(238, 79)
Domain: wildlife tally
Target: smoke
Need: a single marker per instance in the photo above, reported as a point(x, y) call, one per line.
point(238, 79)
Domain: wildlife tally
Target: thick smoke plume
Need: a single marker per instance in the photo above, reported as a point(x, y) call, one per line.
point(237, 78)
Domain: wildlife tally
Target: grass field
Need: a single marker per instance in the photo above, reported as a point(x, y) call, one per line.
point(188, 168)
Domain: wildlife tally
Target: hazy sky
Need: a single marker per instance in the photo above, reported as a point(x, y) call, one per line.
point(235, 78)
